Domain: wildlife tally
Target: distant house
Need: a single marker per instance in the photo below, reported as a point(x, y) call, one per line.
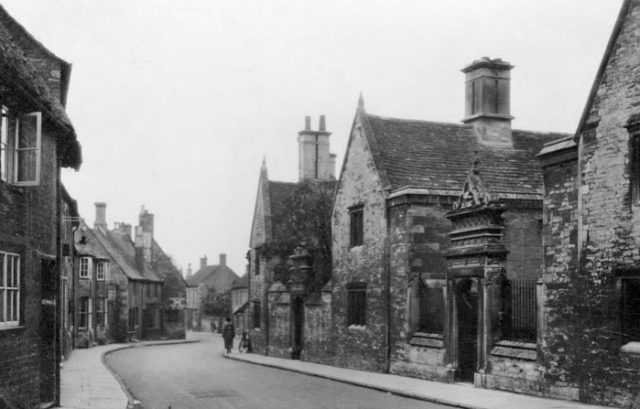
point(37, 139)
point(124, 289)
point(240, 302)
point(69, 224)
point(218, 277)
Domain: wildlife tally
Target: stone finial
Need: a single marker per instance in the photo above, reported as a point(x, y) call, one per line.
point(474, 192)
point(361, 102)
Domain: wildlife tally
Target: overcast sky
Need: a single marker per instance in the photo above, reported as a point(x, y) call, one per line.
point(176, 102)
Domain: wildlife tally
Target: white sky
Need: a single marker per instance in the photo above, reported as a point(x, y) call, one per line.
point(176, 102)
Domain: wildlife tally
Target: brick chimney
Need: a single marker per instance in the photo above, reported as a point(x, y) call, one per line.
point(203, 262)
point(145, 222)
point(487, 85)
point(314, 159)
point(223, 259)
point(101, 217)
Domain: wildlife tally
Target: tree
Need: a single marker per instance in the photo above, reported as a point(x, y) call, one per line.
point(217, 304)
point(306, 222)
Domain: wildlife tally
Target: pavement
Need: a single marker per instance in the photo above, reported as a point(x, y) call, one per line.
point(87, 383)
point(456, 395)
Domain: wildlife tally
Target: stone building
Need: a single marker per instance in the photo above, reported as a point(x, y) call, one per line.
point(394, 288)
point(288, 316)
point(70, 222)
point(37, 139)
point(240, 303)
point(126, 287)
point(591, 339)
point(218, 277)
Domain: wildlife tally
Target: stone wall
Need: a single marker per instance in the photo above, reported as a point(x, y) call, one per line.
point(360, 347)
point(318, 341)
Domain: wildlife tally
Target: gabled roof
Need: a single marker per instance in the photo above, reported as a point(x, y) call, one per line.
point(87, 244)
point(24, 80)
point(203, 274)
point(413, 154)
point(617, 28)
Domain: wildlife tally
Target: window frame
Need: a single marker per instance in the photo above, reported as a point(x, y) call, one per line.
point(356, 225)
point(100, 311)
point(100, 271)
point(626, 315)
point(37, 148)
point(9, 308)
point(257, 315)
point(356, 304)
point(87, 272)
point(84, 312)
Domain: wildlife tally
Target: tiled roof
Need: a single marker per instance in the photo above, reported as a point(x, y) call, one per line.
point(434, 155)
point(22, 78)
point(122, 251)
point(204, 273)
point(87, 244)
point(242, 282)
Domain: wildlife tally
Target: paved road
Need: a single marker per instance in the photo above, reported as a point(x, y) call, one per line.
point(196, 376)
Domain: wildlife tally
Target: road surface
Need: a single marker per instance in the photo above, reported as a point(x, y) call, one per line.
point(197, 376)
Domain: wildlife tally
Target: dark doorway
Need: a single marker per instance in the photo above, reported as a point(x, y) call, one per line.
point(48, 361)
point(298, 325)
point(467, 309)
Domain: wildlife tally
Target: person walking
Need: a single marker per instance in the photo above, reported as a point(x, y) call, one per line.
point(228, 333)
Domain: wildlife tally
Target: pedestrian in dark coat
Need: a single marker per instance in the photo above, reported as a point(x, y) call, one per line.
point(228, 333)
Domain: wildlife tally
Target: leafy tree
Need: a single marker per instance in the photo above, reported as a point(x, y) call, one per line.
point(306, 221)
point(217, 304)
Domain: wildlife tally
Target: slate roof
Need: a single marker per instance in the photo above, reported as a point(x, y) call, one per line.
point(23, 79)
point(436, 155)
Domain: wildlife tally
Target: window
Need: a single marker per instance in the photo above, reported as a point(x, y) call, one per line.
point(4, 145)
point(100, 271)
point(431, 309)
point(356, 303)
point(634, 174)
point(83, 312)
point(133, 319)
point(100, 311)
point(20, 148)
point(630, 317)
point(9, 290)
point(85, 267)
point(356, 226)
point(257, 314)
point(518, 310)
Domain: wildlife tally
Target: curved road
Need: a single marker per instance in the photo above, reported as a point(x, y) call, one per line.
point(197, 376)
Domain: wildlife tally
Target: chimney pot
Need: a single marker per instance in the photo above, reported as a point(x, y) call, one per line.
point(322, 124)
point(223, 259)
point(307, 123)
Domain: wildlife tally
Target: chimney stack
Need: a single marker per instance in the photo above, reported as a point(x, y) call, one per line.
point(223, 259)
point(124, 229)
point(145, 223)
point(203, 262)
point(314, 159)
point(139, 250)
point(189, 271)
point(488, 100)
point(101, 216)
